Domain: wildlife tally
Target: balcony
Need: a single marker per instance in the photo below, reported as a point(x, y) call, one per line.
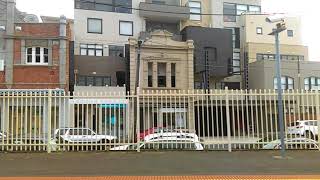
point(164, 11)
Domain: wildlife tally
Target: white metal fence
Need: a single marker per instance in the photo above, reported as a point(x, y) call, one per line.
point(157, 120)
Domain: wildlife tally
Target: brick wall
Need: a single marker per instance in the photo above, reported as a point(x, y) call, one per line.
point(38, 29)
point(37, 76)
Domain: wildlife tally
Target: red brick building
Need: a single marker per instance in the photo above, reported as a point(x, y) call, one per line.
point(36, 55)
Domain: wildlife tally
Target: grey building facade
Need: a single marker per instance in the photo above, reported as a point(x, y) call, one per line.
point(295, 75)
point(212, 55)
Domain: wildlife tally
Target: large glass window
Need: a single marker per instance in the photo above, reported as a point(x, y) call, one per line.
point(235, 37)
point(116, 51)
point(195, 10)
point(119, 6)
point(272, 57)
point(91, 49)
point(126, 28)
point(255, 9)
point(312, 83)
point(241, 9)
point(94, 25)
point(287, 83)
point(93, 81)
point(173, 75)
point(162, 78)
point(150, 74)
point(236, 63)
point(37, 55)
point(230, 12)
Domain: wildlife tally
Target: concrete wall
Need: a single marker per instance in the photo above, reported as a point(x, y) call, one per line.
point(220, 39)
point(251, 22)
point(262, 73)
point(110, 23)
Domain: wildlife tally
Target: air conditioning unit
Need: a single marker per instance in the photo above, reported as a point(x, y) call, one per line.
point(2, 28)
point(18, 28)
point(1, 65)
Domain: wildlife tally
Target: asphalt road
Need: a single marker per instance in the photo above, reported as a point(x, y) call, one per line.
point(158, 164)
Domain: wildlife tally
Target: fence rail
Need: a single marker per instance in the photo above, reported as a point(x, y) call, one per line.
point(51, 120)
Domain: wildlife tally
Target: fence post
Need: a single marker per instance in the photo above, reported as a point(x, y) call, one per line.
point(138, 119)
point(228, 119)
point(318, 115)
point(49, 120)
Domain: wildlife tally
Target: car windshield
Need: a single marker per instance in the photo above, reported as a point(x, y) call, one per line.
point(294, 124)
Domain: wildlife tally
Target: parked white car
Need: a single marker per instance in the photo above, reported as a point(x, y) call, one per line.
point(307, 128)
point(79, 135)
point(166, 141)
point(293, 143)
point(2, 135)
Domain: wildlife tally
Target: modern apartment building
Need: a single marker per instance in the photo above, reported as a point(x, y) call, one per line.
point(104, 27)
point(33, 55)
point(297, 71)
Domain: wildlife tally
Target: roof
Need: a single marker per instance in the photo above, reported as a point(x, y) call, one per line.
point(52, 19)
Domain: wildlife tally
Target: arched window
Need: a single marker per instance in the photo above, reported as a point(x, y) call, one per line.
point(37, 55)
point(312, 83)
point(287, 83)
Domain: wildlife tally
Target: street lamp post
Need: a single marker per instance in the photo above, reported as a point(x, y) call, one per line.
point(280, 27)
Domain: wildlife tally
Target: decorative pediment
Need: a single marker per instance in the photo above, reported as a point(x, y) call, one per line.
point(163, 39)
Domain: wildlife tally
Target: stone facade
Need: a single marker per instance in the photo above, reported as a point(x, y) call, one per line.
point(160, 48)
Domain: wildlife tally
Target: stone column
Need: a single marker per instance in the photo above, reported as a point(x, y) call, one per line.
point(11, 4)
point(168, 74)
point(154, 74)
point(63, 52)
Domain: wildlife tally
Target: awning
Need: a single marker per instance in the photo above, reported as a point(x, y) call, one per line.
point(173, 110)
point(102, 102)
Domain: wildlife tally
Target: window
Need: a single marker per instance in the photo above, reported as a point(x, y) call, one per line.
point(123, 6)
point(312, 83)
point(195, 10)
point(116, 51)
point(236, 63)
point(254, 9)
point(229, 11)
point(94, 25)
point(235, 37)
point(91, 49)
point(150, 73)
point(272, 57)
point(259, 30)
point(126, 28)
point(37, 55)
point(173, 75)
point(241, 9)
point(119, 6)
point(290, 33)
point(162, 78)
point(94, 81)
point(287, 83)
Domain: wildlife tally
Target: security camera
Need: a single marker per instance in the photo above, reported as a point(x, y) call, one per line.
point(275, 18)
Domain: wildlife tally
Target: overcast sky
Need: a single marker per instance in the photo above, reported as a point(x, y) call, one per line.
point(307, 9)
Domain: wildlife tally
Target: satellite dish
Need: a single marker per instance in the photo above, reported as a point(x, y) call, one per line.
point(31, 18)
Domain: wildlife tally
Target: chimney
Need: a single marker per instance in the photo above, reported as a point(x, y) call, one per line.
point(63, 26)
point(11, 7)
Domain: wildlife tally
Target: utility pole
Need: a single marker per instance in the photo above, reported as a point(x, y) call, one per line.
point(280, 27)
point(138, 64)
